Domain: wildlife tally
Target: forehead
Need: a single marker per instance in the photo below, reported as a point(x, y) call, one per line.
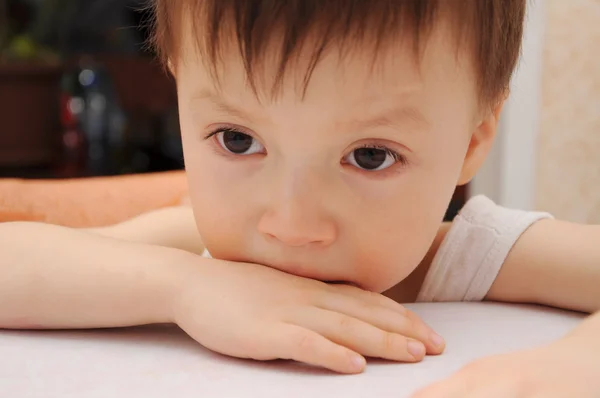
point(356, 75)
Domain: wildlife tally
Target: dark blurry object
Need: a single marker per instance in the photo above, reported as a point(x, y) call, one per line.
point(93, 122)
point(29, 82)
point(4, 28)
point(121, 113)
point(18, 41)
point(73, 154)
point(149, 99)
point(115, 113)
point(28, 114)
point(74, 27)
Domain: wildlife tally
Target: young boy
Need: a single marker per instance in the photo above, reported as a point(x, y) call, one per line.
point(323, 141)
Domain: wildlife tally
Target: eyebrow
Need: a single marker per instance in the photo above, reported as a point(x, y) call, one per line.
point(219, 104)
point(392, 117)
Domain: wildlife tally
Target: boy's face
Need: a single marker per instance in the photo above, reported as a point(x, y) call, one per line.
point(348, 183)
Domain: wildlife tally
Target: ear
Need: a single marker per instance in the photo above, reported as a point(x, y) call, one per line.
point(481, 142)
point(170, 67)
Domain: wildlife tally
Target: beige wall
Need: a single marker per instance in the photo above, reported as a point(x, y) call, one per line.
point(568, 163)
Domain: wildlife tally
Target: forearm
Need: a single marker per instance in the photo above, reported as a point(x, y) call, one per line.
point(54, 277)
point(571, 270)
point(554, 263)
point(170, 227)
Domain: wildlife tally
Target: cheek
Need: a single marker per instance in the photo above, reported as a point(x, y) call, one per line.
point(221, 222)
point(392, 235)
point(221, 217)
point(387, 255)
point(379, 269)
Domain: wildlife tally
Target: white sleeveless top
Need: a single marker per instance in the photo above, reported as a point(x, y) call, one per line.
point(473, 251)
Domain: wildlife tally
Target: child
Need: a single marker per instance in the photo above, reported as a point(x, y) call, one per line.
point(323, 141)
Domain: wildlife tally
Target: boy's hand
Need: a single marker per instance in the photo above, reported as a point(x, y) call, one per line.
point(252, 311)
point(567, 368)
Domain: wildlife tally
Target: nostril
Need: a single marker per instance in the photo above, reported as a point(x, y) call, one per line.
point(293, 240)
point(296, 231)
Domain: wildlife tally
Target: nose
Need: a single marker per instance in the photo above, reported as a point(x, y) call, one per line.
point(296, 216)
point(293, 228)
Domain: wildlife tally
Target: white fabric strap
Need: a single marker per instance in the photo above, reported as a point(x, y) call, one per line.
point(473, 251)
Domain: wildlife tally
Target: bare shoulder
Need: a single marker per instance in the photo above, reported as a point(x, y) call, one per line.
point(170, 227)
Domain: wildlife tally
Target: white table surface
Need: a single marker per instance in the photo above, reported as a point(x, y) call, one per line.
point(163, 362)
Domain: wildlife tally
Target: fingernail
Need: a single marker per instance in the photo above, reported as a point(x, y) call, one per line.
point(358, 361)
point(437, 340)
point(416, 349)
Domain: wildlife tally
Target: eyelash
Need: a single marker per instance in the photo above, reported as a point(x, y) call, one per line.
point(400, 159)
point(226, 130)
point(217, 146)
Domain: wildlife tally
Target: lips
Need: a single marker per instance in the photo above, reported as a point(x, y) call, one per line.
point(344, 283)
point(311, 272)
point(329, 275)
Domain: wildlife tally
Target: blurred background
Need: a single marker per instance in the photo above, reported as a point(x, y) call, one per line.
point(81, 94)
point(547, 151)
point(567, 176)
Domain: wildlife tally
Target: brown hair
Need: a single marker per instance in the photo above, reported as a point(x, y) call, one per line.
point(493, 29)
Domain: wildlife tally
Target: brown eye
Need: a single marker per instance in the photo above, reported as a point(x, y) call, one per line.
point(369, 158)
point(372, 158)
point(239, 143)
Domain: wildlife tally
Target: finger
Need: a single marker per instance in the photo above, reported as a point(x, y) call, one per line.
point(361, 336)
point(304, 345)
point(436, 343)
point(370, 297)
point(382, 317)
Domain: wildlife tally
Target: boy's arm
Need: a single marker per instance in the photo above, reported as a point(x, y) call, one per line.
point(55, 277)
point(170, 227)
point(554, 263)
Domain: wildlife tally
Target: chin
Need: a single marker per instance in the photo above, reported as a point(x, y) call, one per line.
point(382, 284)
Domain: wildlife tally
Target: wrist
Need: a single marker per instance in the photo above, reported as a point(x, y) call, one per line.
point(177, 273)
